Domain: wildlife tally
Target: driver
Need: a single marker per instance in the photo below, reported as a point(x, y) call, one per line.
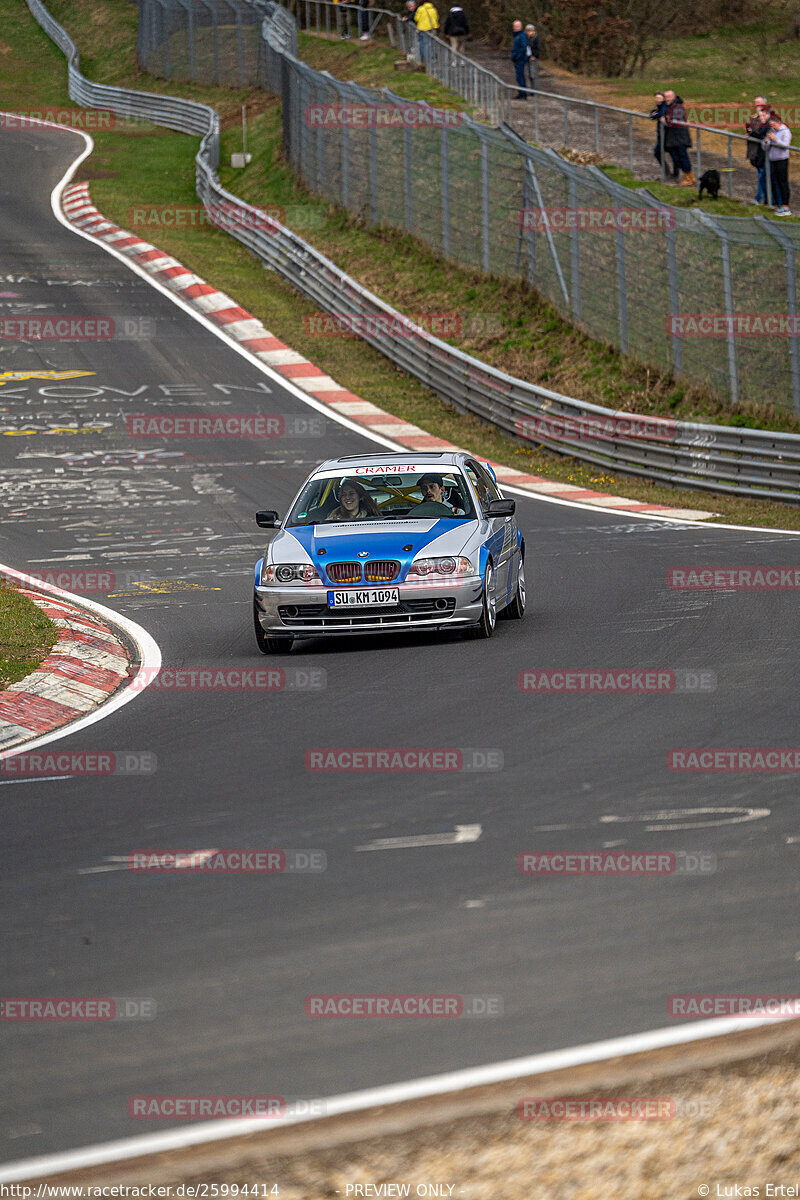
point(355, 503)
point(432, 488)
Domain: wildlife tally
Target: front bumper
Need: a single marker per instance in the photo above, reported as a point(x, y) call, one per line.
point(303, 611)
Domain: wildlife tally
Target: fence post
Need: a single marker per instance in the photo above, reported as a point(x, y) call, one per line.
point(566, 124)
point(240, 46)
point(781, 236)
point(699, 155)
point(485, 215)
point(622, 291)
point(630, 142)
point(674, 299)
point(529, 169)
point(727, 291)
point(374, 198)
point(730, 166)
point(575, 254)
point(345, 144)
point(408, 184)
point(445, 194)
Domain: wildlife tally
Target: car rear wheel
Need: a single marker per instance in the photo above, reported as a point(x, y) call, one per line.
point(516, 609)
point(267, 644)
point(485, 627)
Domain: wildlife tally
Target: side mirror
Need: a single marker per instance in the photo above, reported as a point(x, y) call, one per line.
point(501, 508)
point(267, 518)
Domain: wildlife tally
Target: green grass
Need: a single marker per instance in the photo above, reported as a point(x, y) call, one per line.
point(157, 167)
point(26, 635)
point(728, 66)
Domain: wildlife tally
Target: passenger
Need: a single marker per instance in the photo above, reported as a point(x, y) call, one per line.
point(355, 504)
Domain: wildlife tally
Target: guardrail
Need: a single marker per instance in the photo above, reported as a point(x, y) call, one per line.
point(718, 458)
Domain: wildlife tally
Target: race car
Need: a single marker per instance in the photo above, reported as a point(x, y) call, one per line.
point(387, 541)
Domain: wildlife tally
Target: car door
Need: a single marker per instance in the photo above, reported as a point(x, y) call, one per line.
point(502, 535)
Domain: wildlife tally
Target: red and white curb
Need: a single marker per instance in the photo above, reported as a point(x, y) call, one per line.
point(248, 332)
point(87, 664)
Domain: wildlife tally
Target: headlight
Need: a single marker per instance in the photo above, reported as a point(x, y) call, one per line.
point(441, 566)
point(290, 573)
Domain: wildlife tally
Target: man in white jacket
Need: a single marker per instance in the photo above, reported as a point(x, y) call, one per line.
point(777, 142)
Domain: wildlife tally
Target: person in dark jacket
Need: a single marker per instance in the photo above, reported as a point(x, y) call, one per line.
point(519, 57)
point(532, 64)
point(456, 28)
point(677, 139)
point(756, 129)
point(657, 114)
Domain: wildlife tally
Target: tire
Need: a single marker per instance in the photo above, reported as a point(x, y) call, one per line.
point(267, 644)
point(516, 609)
point(486, 626)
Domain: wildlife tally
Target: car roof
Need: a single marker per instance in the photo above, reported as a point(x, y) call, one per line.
point(410, 459)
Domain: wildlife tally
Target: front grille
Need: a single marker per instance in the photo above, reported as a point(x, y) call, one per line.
point(319, 616)
point(344, 572)
point(381, 572)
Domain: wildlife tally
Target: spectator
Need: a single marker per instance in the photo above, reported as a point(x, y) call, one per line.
point(657, 114)
point(677, 139)
point(756, 128)
point(456, 28)
point(363, 17)
point(778, 139)
point(519, 57)
point(532, 63)
point(426, 19)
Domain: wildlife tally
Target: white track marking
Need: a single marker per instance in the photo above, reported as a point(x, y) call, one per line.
point(36, 779)
point(393, 1093)
point(462, 833)
point(147, 649)
point(677, 815)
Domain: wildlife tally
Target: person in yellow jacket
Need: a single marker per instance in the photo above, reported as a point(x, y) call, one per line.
point(426, 19)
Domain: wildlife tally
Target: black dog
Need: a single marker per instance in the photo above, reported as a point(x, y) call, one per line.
point(710, 181)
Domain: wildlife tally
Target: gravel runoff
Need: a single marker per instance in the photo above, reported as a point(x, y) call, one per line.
point(736, 1123)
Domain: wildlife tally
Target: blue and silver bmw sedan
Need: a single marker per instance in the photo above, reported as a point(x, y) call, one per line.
point(388, 541)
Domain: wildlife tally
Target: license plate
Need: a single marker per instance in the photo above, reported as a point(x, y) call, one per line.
point(363, 598)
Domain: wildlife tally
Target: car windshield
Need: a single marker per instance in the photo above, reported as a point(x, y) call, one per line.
point(378, 496)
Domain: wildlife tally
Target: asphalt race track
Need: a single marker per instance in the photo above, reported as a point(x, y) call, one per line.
point(230, 959)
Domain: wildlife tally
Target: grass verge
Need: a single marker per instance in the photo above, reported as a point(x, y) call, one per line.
point(26, 635)
point(536, 344)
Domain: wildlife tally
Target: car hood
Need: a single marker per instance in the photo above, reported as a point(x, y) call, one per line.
point(381, 539)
